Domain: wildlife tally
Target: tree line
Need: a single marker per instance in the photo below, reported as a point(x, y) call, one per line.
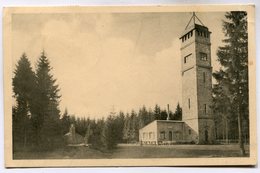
point(118, 127)
point(38, 124)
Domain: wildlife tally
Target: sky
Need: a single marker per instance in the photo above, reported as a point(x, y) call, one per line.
point(111, 61)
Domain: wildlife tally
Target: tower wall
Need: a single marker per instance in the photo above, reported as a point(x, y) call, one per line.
point(197, 83)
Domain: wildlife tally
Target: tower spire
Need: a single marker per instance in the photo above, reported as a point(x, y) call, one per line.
point(193, 16)
point(193, 19)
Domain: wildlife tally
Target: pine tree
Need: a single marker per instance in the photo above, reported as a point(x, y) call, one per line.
point(221, 105)
point(46, 121)
point(119, 123)
point(233, 56)
point(163, 115)
point(134, 127)
point(110, 133)
point(157, 112)
point(143, 117)
point(65, 122)
point(178, 113)
point(24, 83)
point(127, 128)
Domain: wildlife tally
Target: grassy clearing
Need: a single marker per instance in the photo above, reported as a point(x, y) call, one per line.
point(136, 151)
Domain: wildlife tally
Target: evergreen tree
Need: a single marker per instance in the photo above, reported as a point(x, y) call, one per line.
point(46, 120)
point(157, 112)
point(233, 57)
point(178, 113)
point(151, 115)
point(134, 127)
point(127, 128)
point(65, 122)
point(143, 117)
point(24, 83)
point(119, 123)
point(163, 115)
point(110, 133)
point(97, 134)
point(221, 105)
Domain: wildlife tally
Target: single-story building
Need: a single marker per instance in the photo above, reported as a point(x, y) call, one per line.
point(163, 132)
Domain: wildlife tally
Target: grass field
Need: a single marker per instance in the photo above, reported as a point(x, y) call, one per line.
point(136, 151)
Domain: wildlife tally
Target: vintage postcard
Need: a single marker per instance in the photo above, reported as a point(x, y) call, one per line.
point(130, 86)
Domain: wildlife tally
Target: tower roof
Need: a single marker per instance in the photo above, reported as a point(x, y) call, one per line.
point(193, 20)
point(193, 23)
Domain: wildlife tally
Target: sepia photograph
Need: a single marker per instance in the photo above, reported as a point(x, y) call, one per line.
point(129, 86)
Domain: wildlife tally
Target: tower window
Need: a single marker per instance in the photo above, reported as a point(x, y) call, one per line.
point(205, 109)
point(189, 103)
point(186, 58)
point(203, 56)
point(204, 77)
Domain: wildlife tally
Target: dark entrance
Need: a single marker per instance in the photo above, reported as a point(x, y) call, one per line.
point(170, 135)
point(206, 136)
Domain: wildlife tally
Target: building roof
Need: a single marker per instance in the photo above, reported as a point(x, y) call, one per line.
point(170, 121)
point(162, 121)
point(194, 23)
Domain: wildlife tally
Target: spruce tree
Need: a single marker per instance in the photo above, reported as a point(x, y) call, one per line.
point(178, 113)
point(233, 57)
point(157, 112)
point(24, 83)
point(46, 121)
point(221, 105)
point(127, 128)
point(109, 134)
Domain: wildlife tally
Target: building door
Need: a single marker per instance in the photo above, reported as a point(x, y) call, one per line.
point(206, 136)
point(170, 135)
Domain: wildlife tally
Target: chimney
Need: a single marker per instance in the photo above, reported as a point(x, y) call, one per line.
point(168, 112)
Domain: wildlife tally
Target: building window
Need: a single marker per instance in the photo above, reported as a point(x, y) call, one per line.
point(203, 56)
point(144, 136)
point(189, 103)
point(186, 58)
point(162, 135)
point(205, 109)
point(204, 77)
point(189, 131)
point(150, 135)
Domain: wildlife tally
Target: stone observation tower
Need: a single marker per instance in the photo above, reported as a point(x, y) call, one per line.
point(196, 73)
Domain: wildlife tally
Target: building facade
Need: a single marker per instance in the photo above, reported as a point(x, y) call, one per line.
point(166, 132)
point(196, 70)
